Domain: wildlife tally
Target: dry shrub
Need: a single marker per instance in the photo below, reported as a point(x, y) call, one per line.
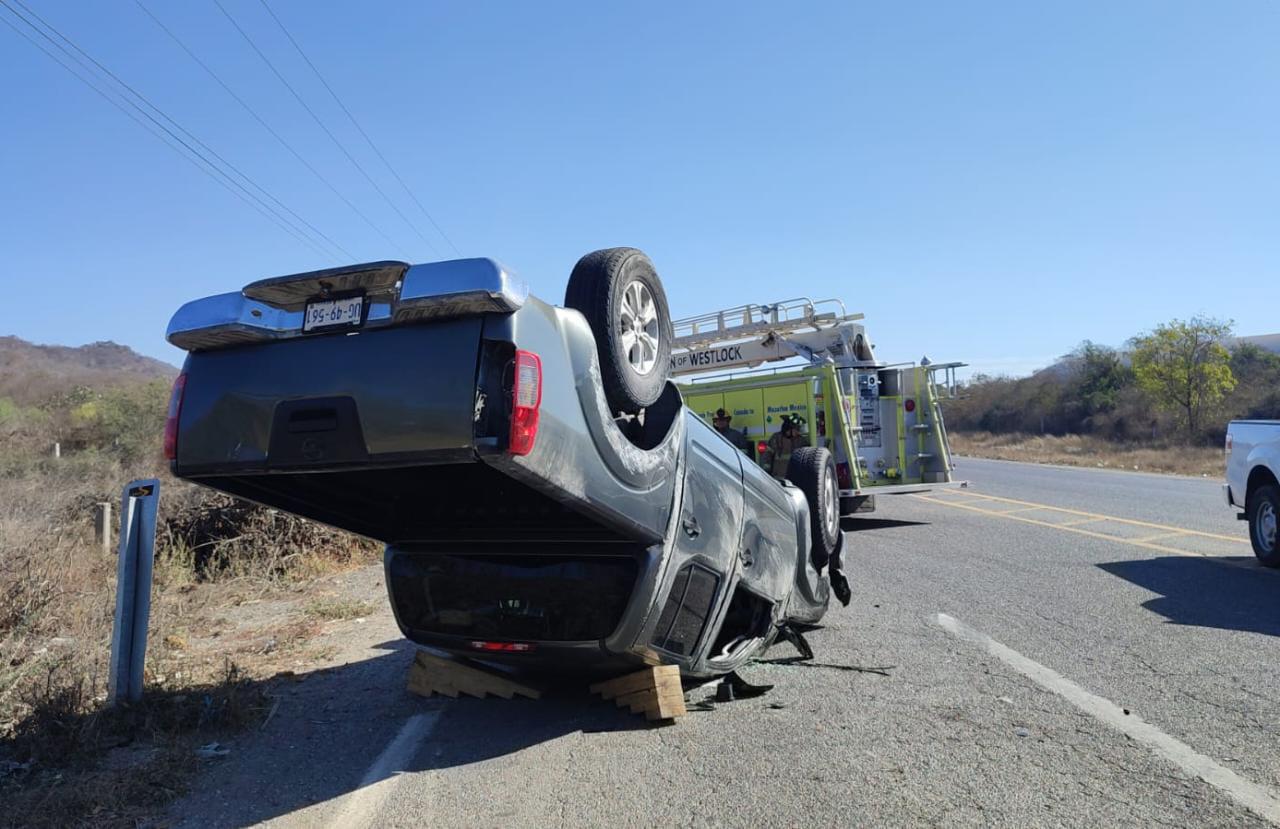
point(57, 589)
point(24, 593)
point(57, 592)
point(223, 536)
point(57, 601)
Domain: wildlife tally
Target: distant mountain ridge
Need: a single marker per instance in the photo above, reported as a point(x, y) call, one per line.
point(30, 373)
point(1268, 342)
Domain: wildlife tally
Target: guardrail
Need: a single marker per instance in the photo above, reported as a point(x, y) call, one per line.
point(133, 590)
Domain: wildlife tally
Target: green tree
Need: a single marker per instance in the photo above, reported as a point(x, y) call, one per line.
point(1103, 375)
point(1185, 368)
point(1257, 392)
point(130, 419)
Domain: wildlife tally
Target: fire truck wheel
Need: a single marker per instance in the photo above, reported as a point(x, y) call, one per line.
point(813, 470)
point(618, 291)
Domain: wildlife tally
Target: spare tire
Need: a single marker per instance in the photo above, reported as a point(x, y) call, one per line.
point(618, 291)
point(813, 470)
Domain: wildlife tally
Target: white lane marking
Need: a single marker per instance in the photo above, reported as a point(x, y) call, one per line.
point(1258, 799)
point(379, 782)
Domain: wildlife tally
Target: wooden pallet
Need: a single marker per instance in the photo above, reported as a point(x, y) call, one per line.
point(431, 674)
point(655, 692)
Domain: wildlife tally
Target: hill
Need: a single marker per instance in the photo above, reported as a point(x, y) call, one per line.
point(31, 373)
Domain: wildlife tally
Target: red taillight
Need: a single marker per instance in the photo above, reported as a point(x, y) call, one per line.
point(526, 397)
point(842, 476)
point(1229, 443)
point(762, 447)
point(910, 405)
point(502, 647)
point(171, 418)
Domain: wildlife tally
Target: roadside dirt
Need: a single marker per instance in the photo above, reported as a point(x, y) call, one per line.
point(323, 699)
point(231, 657)
point(294, 629)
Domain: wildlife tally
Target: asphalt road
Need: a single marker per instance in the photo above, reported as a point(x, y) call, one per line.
point(1049, 647)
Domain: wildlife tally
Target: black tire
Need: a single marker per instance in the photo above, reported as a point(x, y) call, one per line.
point(1263, 509)
point(602, 287)
point(813, 470)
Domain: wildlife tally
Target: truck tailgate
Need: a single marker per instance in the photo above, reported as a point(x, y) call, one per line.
point(392, 396)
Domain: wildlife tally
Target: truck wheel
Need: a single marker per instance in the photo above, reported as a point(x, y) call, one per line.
point(619, 293)
point(1264, 511)
point(813, 470)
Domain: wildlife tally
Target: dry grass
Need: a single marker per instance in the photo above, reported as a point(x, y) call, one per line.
point(1081, 450)
point(332, 608)
point(87, 764)
point(66, 759)
point(216, 537)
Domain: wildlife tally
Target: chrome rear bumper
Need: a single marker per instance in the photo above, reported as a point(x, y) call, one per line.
point(395, 293)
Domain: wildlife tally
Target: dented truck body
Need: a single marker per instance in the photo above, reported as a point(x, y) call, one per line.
point(463, 423)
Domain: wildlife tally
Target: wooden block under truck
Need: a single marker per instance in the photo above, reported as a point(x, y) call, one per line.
point(883, 421)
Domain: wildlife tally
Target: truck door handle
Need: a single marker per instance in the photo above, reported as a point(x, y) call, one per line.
point(691, 527)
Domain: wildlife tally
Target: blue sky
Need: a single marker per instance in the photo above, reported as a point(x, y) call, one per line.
point(988, 182)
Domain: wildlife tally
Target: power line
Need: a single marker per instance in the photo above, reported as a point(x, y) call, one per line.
point(356, 124)
point(254, 114)
point(202, 164)
point(322, 126)
point(152, 130)
point(319, 233)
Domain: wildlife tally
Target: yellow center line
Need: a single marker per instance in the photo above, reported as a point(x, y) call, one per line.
point(1095, 516)
point(1134, 542)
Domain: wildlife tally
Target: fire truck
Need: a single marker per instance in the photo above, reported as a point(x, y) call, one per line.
point(883, 421)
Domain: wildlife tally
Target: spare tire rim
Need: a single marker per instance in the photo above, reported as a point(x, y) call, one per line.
point(1267, 526)
point(641, 333)
point(833, 507)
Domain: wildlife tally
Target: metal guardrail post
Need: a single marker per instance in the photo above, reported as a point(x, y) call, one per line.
point(133, 590)
point(102, 525)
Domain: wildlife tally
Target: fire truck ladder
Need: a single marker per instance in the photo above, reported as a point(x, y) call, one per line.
point(932, 427)
point(925, 424)
point(746, 321)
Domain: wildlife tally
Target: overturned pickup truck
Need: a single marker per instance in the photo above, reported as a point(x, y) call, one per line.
point(545, 496)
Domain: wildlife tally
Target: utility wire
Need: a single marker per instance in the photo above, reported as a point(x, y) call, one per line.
point(193, 157)
point(319, 233)
point(322, 126)
point(356, 124)
point(254, 114)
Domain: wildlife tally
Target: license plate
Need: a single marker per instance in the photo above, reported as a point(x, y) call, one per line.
point(333, 313)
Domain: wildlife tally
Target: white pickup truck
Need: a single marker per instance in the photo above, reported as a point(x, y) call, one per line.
point(1253, 482)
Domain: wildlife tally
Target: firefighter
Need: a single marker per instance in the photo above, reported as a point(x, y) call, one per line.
point(786, 440)
point(739, 440)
